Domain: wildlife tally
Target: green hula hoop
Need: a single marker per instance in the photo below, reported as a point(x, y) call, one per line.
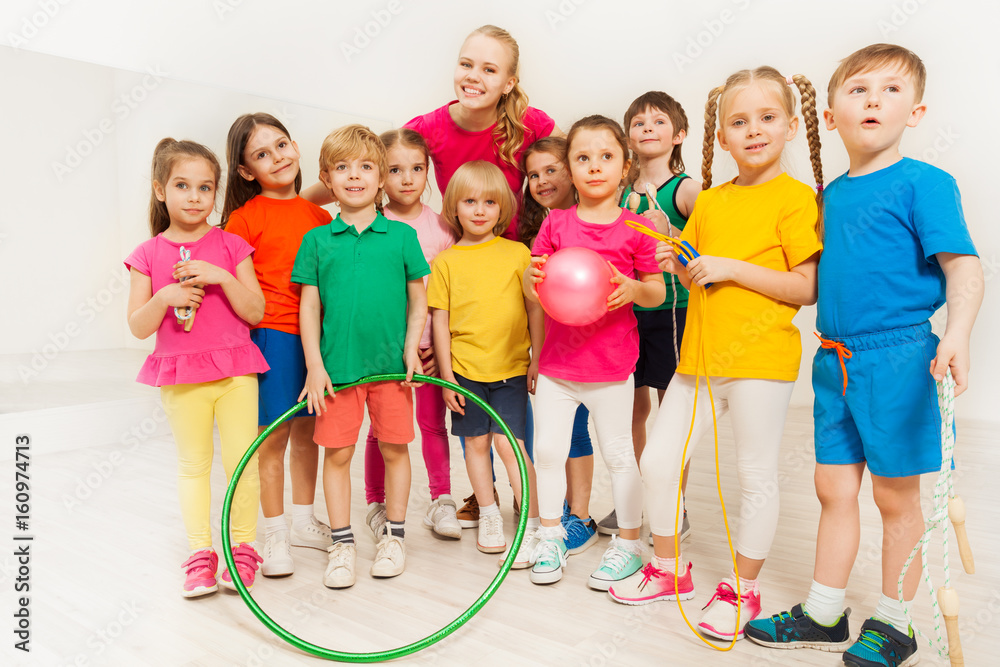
point(462, 619)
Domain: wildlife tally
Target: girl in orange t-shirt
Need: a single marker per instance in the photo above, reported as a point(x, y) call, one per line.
point(263, 207)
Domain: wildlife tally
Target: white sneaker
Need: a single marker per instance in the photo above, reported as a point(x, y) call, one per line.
point(720, 617)
point(491, 539)
point(390, 557)
point(315, 535)
point(376, 520)
point(342, 558)
point(441, 517)
point(525, 554)
point(277, 555)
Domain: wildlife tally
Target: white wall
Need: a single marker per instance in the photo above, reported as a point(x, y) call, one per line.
point(578, 57)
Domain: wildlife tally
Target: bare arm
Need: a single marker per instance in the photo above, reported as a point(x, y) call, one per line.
point(416, 316)
point(556, 132)
point(965, 284)
point(536, 332)
point(318, 194)
point(796, 286)
point(647, 291)
point(687, 194)
point(441, 332)
point(532, 276)
point(310, 329)
point(147, 310)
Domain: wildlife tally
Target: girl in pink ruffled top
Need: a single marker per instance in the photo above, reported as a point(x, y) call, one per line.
point(206, 367)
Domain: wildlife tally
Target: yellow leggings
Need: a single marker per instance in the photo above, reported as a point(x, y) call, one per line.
point(191, 410)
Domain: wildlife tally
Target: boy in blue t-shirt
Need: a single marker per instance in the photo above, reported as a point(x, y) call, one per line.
point(897, 224)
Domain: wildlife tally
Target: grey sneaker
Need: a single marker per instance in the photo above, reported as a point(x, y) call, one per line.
point(608, 525)
point(376, 520)
point(685, 530)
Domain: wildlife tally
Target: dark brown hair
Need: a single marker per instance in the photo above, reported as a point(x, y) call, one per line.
point(238, 189)
point(665, 104)
point(533, 213)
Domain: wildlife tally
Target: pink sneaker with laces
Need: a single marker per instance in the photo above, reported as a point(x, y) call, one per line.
point(247, 561)
point(199, 573)
point(651, 584)
point(719, 619)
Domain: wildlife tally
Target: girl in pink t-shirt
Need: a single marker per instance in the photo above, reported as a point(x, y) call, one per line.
point(407, 159)
point(206, 369)
point(592, 364)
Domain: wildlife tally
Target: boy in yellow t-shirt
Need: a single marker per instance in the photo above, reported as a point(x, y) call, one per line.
point(483, 329)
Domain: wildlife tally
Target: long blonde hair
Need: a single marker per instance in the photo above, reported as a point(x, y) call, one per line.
point(509, 132)
point(718, 97)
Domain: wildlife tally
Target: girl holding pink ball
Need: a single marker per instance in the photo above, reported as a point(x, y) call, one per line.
point(592, 364)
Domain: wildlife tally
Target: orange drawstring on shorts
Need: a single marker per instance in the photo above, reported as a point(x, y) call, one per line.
point(842, 353)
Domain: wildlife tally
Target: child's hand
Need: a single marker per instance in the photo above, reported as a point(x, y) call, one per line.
point(429, 362)
point(199, 272)
point(412, 360)
point(624, 294)
point(454, 400)
point(535, 273)
point(953, 354)
point(181, 295)
point(532, 376)
point(317, 381)
point(660, 222)
point(708, 269)
point(667, 258)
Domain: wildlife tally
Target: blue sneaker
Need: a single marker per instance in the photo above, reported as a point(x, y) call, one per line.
point(580, 534)
point(796, 629)
point(566, 513)
point(550, 559)
point(881, 645)
point(616, 564)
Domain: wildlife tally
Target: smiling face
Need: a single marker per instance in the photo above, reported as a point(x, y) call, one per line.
point(651, 134)
point(483, 72)
point(548, 180)
point(871, 109)
point(271, 159)
point(597, 164)
point(189, 193)
point(478, 214)
point(354, 182)
point(754, 127)
point(407, 175)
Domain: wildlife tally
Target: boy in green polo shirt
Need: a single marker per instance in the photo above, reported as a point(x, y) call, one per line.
point(362, 311)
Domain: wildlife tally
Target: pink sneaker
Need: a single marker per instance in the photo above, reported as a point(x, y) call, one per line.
point(247, 561)
point(719, 619)
point(199, 573)
point(651, 584)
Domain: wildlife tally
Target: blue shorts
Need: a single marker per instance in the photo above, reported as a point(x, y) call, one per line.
point(279, 387)
point(889, 417)
point(508, 397)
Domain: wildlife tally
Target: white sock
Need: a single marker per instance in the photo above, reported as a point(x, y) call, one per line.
point(302, 515)
point(533, 524)
point(274, 525)
point(746, 585)
point(670, 565)
point(825, 604)
point(488, 510)
point(890, 610)
point(551, 532)
point(631, 546)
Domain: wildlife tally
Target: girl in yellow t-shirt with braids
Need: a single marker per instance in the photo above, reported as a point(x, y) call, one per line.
point(759, 244)
point(483, 328)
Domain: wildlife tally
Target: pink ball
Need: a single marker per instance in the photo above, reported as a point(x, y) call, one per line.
point(576, 286)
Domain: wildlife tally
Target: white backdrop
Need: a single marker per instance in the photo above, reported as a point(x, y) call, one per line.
point(388, 61)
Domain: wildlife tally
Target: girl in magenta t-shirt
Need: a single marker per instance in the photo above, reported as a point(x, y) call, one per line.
point(205, 368)
point(490, 119)
point(592, 364)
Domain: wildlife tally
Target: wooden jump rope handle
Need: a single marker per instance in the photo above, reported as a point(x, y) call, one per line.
point(948, 601)
point(956, 513)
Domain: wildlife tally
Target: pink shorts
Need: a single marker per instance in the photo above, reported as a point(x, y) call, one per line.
point(390, 406)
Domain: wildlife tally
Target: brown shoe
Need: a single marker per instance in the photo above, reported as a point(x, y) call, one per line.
point(468, 514)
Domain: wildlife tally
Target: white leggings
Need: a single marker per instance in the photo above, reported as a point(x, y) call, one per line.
point(757, 409)
point(610, 404)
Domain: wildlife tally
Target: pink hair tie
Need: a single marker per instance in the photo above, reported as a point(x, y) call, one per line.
point(819, 187)
point(789, 81)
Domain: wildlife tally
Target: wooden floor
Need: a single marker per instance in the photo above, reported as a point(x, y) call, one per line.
point(105, 575)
